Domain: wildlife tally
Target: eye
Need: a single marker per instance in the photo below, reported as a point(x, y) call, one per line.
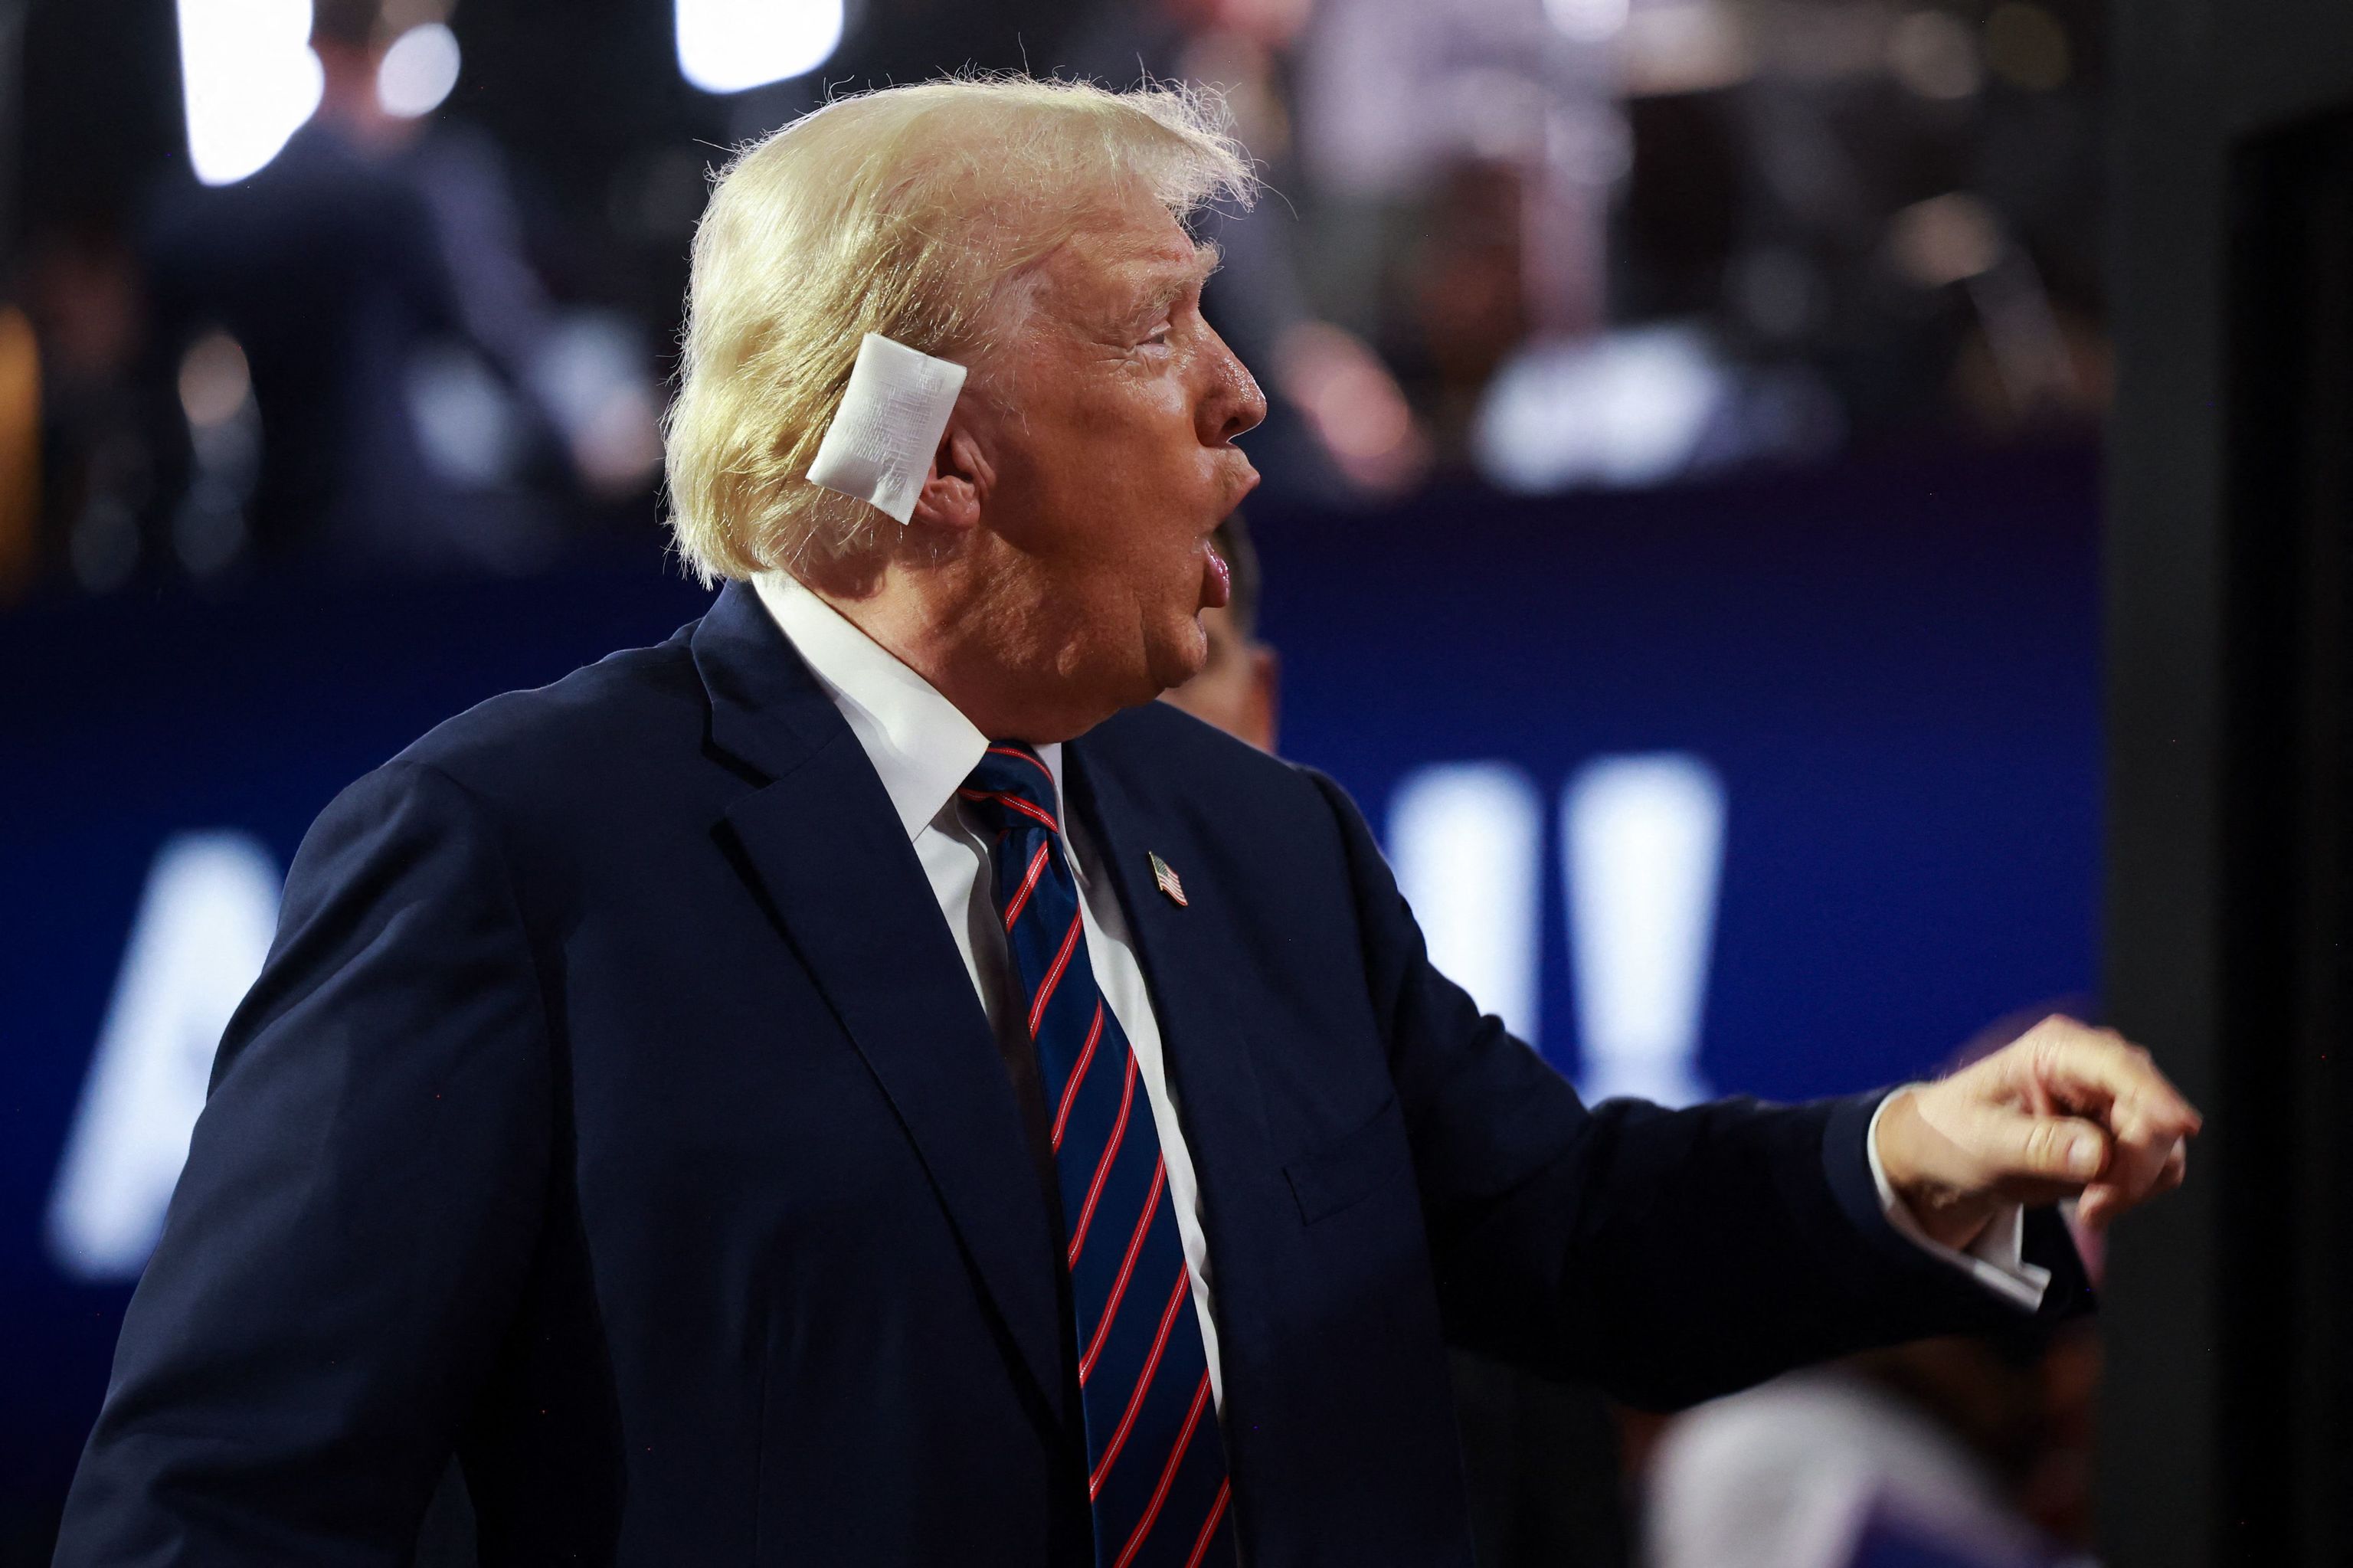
point(1158, 336)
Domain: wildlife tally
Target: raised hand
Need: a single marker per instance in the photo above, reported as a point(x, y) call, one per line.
point(2065, 1109)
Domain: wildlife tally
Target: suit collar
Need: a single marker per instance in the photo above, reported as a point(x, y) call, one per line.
point(920, 743)
point(768, 710)
point(821, 842)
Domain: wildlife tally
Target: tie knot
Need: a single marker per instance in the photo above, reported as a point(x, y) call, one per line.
point(1011, 785)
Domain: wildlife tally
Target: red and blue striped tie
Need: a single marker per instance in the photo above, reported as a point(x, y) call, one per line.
point(1155, 1463)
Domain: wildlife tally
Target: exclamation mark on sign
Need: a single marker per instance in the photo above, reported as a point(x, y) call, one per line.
point(1467, 840)
point(1642, 850)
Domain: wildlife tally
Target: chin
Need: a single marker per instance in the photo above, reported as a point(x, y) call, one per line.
point(1182, 655)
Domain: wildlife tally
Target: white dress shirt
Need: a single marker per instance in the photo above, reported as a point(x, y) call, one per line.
point(1997, 1259)
point(923, 748)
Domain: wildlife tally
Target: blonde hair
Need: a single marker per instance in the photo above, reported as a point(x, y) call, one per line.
point(912, 212)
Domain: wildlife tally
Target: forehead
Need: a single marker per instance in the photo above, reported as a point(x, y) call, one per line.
point(1127, 257)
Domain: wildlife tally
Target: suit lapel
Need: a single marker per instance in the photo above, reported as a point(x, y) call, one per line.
point(1210, 1069)
point(823, 843)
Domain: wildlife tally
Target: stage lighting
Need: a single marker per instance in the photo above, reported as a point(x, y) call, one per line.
point(728, 45)
point(1588, 21)
point(249, 79)
point(418, 71)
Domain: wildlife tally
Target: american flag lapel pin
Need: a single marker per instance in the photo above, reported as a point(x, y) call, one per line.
point(1165, 880)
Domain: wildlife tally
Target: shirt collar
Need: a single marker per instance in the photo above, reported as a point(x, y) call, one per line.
point(920, 745)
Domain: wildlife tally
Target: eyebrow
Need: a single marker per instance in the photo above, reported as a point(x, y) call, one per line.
point(1207, 258)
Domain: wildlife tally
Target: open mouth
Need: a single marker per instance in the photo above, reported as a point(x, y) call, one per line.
point(1216, 578)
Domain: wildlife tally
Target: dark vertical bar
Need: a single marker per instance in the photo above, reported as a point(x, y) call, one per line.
point(12, 114)
point(2161, 1496)
point(2288, 359)
point(2227, 1419)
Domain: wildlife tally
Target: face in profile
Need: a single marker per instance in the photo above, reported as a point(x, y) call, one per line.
point(1116, 461)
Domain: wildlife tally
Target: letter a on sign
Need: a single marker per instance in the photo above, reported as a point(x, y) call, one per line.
point(202, 931)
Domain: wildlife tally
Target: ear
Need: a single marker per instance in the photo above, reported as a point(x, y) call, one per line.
point(958, 482)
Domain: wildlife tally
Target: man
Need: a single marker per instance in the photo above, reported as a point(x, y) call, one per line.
point(860, 1082)
point(375, 276)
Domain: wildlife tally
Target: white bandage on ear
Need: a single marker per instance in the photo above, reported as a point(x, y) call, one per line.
point(880, 446)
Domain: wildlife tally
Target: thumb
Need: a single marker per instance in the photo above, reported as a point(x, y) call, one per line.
point(2014, 1142)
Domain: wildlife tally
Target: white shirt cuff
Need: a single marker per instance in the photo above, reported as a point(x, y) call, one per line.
point(1997, 1259)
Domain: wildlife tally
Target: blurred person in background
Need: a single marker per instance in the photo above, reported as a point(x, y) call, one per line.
point(670, 1091)
point(356, 352)
point(1539, 1454)
point(1338, 424)
point(1971, 1451)
point(1239, 688)
point(1966, 1451)
point(85, 299)
point(1623, 242)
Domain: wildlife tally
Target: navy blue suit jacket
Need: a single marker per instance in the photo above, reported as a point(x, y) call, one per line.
point(616, 1114)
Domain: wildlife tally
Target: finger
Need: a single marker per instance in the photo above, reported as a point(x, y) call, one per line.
point(2105, 1201)
point(2089, 1067)
point(2017, 1147)
point(2141, 1150)
point(2147, 1141)
point(2037, 1096)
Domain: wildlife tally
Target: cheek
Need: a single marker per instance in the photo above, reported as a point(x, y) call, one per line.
point(1146, 545)
point(1116, 462)
point(1116, 489)
point(1145, 439)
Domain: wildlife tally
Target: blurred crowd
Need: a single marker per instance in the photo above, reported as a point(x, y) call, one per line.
point(1535, 244)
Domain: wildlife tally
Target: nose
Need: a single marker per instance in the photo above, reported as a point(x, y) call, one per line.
point(1232, 403)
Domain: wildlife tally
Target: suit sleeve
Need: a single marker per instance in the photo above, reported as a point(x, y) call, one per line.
point(1667, 1256)
point(350, 1235)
